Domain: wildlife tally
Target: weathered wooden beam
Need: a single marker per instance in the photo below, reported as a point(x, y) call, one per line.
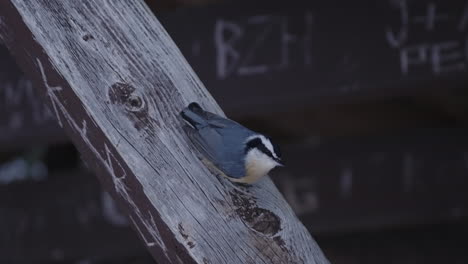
point(116, 83)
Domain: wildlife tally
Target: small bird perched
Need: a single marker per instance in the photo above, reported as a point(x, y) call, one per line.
point(243, 155)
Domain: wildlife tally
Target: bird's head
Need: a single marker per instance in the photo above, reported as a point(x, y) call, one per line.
point(261, 155)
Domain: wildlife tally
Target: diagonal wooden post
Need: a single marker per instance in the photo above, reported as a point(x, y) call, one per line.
point(116, 83)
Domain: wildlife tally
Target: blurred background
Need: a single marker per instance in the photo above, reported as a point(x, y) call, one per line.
point(367, 100)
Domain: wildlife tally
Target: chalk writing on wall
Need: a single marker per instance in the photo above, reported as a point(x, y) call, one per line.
point(426, 18)
point(22, 105)
point(236, 56)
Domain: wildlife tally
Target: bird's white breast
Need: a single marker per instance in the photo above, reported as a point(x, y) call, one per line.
point(257, 165)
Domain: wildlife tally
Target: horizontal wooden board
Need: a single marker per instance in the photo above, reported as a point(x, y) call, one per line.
point(431, 244)
point(258, 58)
point(373, 182)
point(266, 56)
point(359, 185)
point(65, 216)
point(425, 244)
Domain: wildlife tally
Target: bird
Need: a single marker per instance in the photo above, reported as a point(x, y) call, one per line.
point(242, 155)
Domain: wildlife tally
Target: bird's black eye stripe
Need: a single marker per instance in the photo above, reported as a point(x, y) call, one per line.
point(276, 149)
point(265, 150)
point(257, 143)
point(254, 143)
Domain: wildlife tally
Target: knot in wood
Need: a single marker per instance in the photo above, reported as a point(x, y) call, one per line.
point(88, 37)
point(134, 103)
point(126, 95)
point(259, 219)
point(129, 101)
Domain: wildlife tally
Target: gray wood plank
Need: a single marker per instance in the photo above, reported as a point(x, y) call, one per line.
point(116, 83)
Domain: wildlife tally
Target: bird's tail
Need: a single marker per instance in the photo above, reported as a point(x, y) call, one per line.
point(193, 114)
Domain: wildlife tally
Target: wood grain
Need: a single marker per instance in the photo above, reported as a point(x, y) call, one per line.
point(116, 82)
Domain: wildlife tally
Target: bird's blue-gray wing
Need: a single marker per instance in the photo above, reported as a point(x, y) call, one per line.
point(224, 147)
point(219, 139)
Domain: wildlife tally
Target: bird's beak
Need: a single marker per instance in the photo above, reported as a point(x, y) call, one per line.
point(278, 162)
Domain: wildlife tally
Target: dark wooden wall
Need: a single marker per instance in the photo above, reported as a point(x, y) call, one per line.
point(374, 131)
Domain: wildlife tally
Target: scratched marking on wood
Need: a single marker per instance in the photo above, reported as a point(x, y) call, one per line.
point(317, 53)
point(116, 82)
